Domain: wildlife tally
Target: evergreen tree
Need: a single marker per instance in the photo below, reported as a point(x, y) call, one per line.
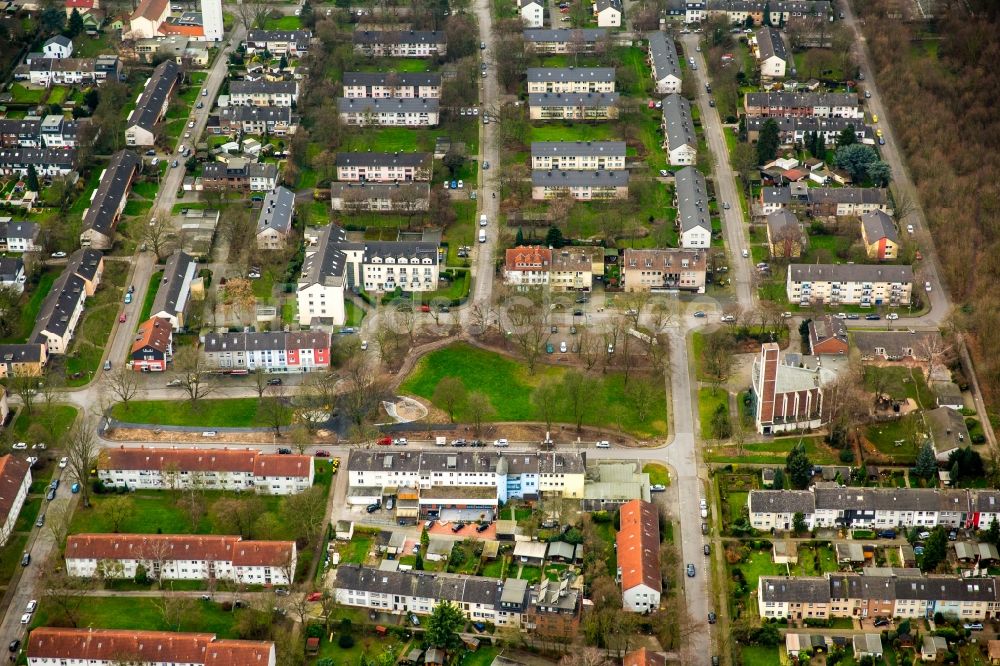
point(307, 16)
point(554, 238)
point(767, 142)
point(767, 14)
point(993, 533)
point(32, 179)
point(847, 136)
point(926, 465)
point(75, 26)
point(443, 626)
point(519, 238)
point(779, 479)
point(799, 467)
point(741, 128)
point(799, 523)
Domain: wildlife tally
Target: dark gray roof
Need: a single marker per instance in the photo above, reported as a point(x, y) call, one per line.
point(457, 589)
point(849, 273)
point(779, 220)
point(577, 148)
point(375, 159)
point(604, 4)
point(827, 327)
point(776, 195)
point(239, 168)
point(85, 262)
point(10, 268)
point(58, 306)
point(410, 251)
point(268, 87)
point(985, 501)
point(877, 224)
point(172, 295)
point(387, 105)
point(770, 44)
point(278, 340)
point(60, 40)
point(504, 463)
point(277, 211)
point(382, 190)
point(677, 122)
point(39, 157)
point(398, 37)
point(781, 501)
point(19, 229)
point(948, 429)
point(692, 199)
point(399, 79)
point(894, 343)
point(565, 34)
point(26, 353)
point(326, 265)
point(154, 95)
point(571, 74)
point(801, 100)
point(836, 498)
point(800, 590)
point(254, 113)
point(113, 189)
point(857, 195)
point(616, 178)
point(663, 53)
point(592, 100)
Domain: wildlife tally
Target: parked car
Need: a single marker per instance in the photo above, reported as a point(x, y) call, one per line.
point(284, 450)
point(322, 454)
point(872, 317)
point(482, 527)
point(458, 527)
point(41, 520)
point(373, 507)
point(274, 382)
point(501, 443)
point(707, 549)
point(881, 622)
point(603, 444)
point(711, 617)
point(20, 446)
point(26, 559)
point(51, 495)
point(121, 318)
point(690, 570)
point(75, 488)
point(892, 316)
point(657, 488)
point(15, 645)
point(63, 462)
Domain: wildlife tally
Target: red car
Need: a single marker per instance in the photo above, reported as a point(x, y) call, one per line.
point(315, 596)
point(425, 308)
point(384, 441)
point(121, 319)
point(322, 454)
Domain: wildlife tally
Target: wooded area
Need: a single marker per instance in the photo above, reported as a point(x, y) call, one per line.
point(942, 91)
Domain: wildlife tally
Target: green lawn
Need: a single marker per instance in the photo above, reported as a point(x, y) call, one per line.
point(493, 569)
point(356, 551)
point(354, 313)
point(508, 385)
point(806, 565)
point(530, 574)
point(736, 503)
point(884, 436)
point(55, 419)
point(94, 329)
point(10, 555)
point(759, 656)
point(30, 305)
point(759, 563)
point(222, 413)
point(142, 614)
point(29, 511)
point(569, 131)
point(283, 23)
point(658, 474)
point(482, 657)
point(775, 451)
point(900, 383)
point(395, 65)
point(24, 95)
point(156, 512)
point(709, 400)
point(147, 304)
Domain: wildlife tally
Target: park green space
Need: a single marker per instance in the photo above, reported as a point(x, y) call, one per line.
point(54, 419)
point(658, 474)
point(508, 385)
point(222, 413)
point(31, 303)
point(159, 512)
point(138, 614)
point(709, 400)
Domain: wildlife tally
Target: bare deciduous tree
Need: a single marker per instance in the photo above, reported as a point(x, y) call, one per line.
point(82, 449)
point(123, 383)
point(194, 375)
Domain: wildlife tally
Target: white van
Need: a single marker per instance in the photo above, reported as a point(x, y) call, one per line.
point(482, 235)
point(483, 220)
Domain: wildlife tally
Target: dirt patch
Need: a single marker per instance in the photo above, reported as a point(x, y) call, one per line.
point(170, 437)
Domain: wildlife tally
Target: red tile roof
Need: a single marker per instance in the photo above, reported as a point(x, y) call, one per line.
point(529, 258)
point(145, 646)
point(644, 657)
point(12, 473)
point(179, 547)
point(150, 9)
point(206, 460)
point(639, 545)
point(155, 333)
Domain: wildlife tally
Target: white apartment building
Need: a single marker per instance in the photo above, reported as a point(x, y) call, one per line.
point(263, 93)
point(293, 43)
point(15, 480)
point(679, 138)
point(662, 54)
point(664, 270)
point(400, 43)
point(384, 167)
point(60, 313)
point(409, 85)
point(276, 351)
point(824, 105)
point(516, 474)
point(564, 40)
point(867, 285)
point(390, 111)
point(608, 13)
point(532, 13)
point(151, 105)
point(573, 106)
point(181, 557)
point(378, 196)
point(772, 56)
point(578, 155)
point(691, 201)
point(50, 646)
point(580, 185)
point(220, 469)
point(571, 79)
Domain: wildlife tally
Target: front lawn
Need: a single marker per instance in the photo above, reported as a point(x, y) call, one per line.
point(55, 419)
point(658, 474)
point(158, 512)
point(95, 326)
point(759, 656)
point(283, 23)
point(356, 551)
point(509, 386)
point(222, 413)
point(897, 439)
point(147, 303)
point(31, 303)
point(711, 400)
point(142, 614)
